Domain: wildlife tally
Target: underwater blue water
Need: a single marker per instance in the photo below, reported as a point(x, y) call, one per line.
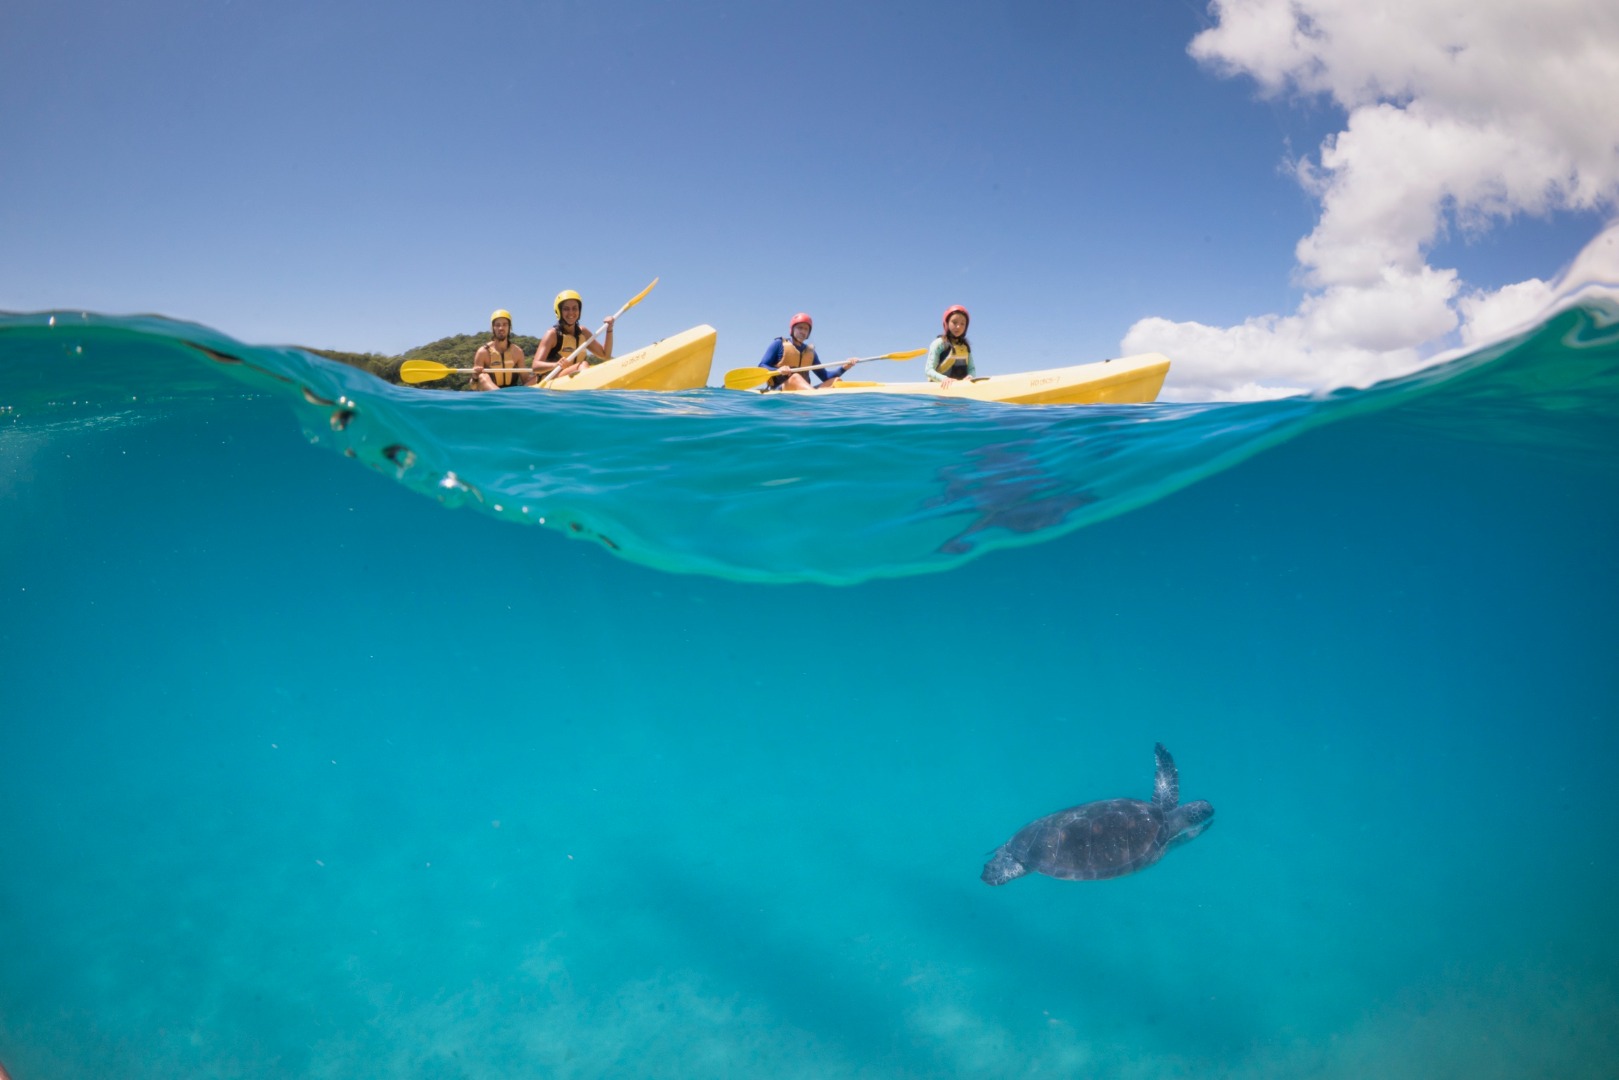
point(308, 774)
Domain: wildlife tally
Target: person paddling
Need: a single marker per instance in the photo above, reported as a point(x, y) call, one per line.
point(950, 360)
point(499, 363)
point(562, 340)
point(795, 351)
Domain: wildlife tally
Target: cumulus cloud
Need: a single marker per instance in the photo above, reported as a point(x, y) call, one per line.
point(1460, 115)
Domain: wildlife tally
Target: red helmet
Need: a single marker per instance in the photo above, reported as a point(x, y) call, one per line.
point(802, 317)
point(953, 309)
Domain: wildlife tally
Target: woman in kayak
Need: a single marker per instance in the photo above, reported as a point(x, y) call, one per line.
point(950, 360)
point(562, 339)
point(795, 351)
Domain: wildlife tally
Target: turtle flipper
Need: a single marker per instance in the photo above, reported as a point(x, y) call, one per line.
point(1166, 785)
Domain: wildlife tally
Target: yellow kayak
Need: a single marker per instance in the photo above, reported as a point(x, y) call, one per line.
point(1129, 380)
point(680, 362)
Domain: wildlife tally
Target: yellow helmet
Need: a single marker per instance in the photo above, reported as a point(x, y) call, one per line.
point(500, 314)
point(566, 294)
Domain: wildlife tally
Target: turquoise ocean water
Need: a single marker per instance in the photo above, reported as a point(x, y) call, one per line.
point(352, 730)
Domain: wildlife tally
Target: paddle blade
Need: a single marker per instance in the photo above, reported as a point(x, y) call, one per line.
point(420, 371)
point(637, 298)
point(747, 378)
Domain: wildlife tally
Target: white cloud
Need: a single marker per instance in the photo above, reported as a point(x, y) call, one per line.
point(1267, 356)
point(1460, 115)
point(1390, 310)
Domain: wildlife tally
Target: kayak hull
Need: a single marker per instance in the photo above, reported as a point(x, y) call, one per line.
point(680, 362)
point(1129, 380)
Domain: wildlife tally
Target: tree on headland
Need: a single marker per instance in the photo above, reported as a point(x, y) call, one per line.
point(376, 363)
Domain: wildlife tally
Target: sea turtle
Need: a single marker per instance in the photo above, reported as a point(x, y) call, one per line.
point(1103, 839)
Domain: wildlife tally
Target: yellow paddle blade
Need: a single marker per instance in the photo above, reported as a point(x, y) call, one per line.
point(638, 297)
point(912, 355)
point(747, 378)
point(420, 371)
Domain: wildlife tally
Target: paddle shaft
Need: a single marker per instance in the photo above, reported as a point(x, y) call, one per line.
point(912, 355)
point(440, 370)
point(748, 378)
point(816, 367)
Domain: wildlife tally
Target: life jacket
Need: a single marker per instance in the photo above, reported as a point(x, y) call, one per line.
point(793, 356)
point(953, 364)
point(566, 344)
point(505, 373)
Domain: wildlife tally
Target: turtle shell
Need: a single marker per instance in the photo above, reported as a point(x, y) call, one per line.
point(1098, 840)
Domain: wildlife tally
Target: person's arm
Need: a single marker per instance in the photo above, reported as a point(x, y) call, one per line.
point(833, 374)
point(827, 374)
point(480, 380)
point(602, 347)
point(935, 354)
point(772, 355)
point(526, 375)
point(840, 372)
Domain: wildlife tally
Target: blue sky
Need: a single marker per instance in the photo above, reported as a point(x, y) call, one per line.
point(372, 177)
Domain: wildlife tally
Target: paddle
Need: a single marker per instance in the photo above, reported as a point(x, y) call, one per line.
point(749, 377)
point(420, 371)
point(589, 334)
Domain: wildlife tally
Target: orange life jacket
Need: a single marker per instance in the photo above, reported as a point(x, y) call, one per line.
point(506, 372)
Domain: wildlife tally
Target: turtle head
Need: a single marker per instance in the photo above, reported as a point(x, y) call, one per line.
point(1002, 868)
point(1186, 822)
